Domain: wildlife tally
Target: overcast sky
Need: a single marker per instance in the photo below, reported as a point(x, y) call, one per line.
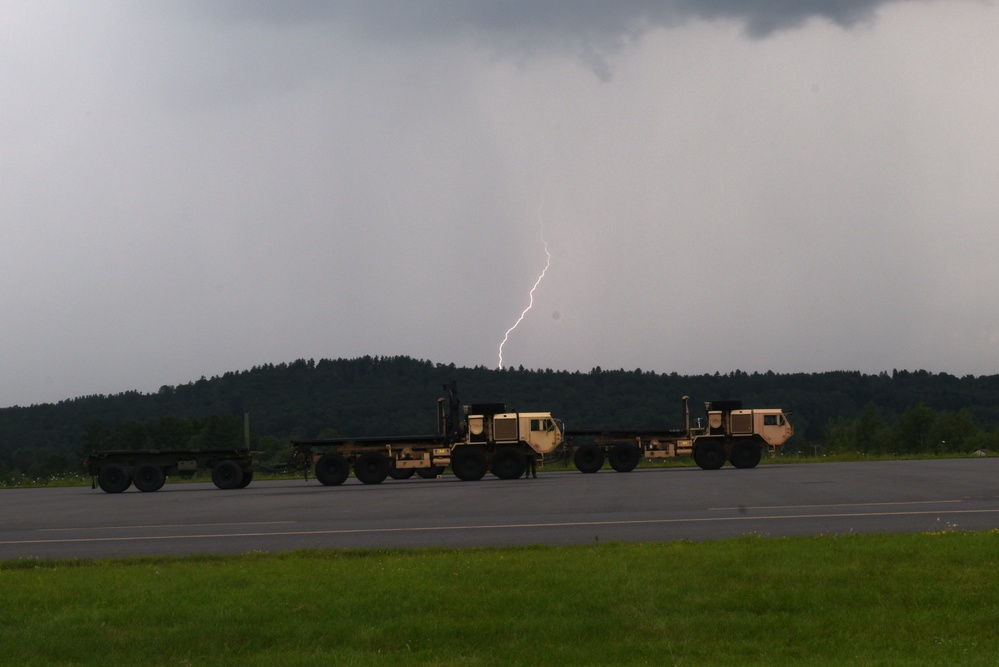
point(190, 188)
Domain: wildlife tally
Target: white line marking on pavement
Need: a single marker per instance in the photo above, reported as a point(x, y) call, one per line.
point(569, 524)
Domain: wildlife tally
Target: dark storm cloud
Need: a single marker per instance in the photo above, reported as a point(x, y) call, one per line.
point(590, 30)
point(583, 18)
point(763, 17)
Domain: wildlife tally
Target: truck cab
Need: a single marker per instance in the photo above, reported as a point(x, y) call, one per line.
point(492, 424)
point(769, 424)
point(773, 426)
point(543, 432)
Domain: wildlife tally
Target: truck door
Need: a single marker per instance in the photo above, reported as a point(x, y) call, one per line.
point(775, 428)
point(543, 435)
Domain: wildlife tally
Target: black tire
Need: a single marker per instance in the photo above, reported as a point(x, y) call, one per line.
point(332, 469)
point(247, 478)
point(508, 463)
point(401, 473)
point(371, 468)
point(227, 475)
point(746, 454)
point(430, 473)
point(148, 477)
point(709, 455)
point(588, 459)
point(624, 458)
point(114, 478)
point(469, 463)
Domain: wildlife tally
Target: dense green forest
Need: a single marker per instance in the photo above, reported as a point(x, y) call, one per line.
point(901, 411)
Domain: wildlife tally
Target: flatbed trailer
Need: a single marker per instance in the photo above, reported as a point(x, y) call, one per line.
point(115, 470)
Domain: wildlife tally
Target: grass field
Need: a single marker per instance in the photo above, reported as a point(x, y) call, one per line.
point(927, 599)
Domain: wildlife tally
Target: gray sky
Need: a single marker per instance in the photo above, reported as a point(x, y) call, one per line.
point(190, 188)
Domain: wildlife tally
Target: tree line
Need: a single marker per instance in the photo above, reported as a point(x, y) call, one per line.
point(918, 430)
point(898, 411)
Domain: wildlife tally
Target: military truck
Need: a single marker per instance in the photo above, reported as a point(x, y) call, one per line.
point(473, 440)
point(726, 433)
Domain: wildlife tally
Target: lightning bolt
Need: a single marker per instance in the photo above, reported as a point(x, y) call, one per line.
point(548, 262)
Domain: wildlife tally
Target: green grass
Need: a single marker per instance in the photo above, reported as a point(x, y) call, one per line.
point(927, 599)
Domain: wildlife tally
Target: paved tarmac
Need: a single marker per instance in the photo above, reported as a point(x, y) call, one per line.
point(558, 508)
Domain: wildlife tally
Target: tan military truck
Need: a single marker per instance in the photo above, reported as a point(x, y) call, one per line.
point(473, 440)
point(726, 433)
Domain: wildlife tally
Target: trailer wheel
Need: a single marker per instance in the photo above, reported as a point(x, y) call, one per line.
point(371, 468)
point(508, 463)
point(746, 454)
point(624, 458)
point(709, 455)
point(227, 475)
point(332, 469)
point(430, 473)
point(588, 459)
point(469, 463)
point(113, 478)
point(401, 473)
point(148, 477)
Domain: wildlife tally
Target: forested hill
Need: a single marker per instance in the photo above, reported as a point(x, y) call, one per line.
point(397, 395)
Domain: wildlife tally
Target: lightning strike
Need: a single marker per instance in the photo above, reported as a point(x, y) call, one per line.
point(530, 304)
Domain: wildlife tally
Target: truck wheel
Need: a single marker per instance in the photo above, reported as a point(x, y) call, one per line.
point(227, 475)
point(588, 459)
point(401, 473)
point(113, 478)
point(469, 463)
point(746, 454)
point(371, 468)
point(508, 463)
point(709, 455)
point(247, 478)
point(624, 458)
point(332, 469)
point(148, 477)
point(430, 473)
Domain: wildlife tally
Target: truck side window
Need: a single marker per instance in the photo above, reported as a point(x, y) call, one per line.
point(542, 425)
point(770, 420)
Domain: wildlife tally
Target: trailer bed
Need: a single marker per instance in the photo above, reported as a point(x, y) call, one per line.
point(374, 440)
point(625, 433)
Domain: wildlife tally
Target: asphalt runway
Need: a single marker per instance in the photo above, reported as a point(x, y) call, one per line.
point(558, 508)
